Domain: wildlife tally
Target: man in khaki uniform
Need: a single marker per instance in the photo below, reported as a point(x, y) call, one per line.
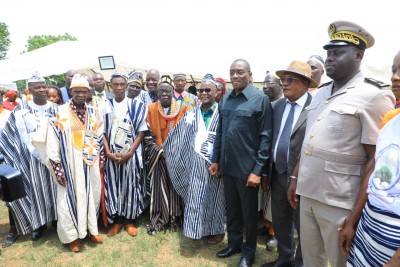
point(338, 149)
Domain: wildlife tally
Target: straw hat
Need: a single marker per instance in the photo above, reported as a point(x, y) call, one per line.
point(300, 68)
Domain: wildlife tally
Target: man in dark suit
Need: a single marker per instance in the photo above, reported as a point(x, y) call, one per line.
point(289, 124)
point(99, 87)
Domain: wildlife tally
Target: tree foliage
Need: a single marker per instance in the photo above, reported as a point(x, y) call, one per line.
point(38, 41)
point(4, 40)
point(384, 174)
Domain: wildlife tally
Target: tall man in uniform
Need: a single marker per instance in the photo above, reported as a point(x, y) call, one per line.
point(338, 151)
point(241, 150)
point(289, 120)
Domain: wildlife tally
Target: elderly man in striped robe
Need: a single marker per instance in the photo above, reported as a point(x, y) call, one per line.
point(125, 187)
point(23, 144)
point(203, 194)
point(162, 117)
point(75, 149)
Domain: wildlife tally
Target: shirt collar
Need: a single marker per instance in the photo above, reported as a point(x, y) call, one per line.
point(301, 101)
point(247, 92)
point(177, 95)
point(212, 108)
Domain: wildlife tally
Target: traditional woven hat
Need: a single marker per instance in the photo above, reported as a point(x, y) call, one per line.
point(79, 81)
point(35, 78)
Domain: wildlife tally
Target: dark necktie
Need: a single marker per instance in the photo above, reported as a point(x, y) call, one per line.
point(283, 145)
point(100, 95)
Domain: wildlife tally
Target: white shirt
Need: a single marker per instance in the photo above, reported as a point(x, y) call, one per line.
point(297, 110)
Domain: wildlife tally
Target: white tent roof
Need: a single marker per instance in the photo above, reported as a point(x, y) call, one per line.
point(59, 57)
point(56, 58)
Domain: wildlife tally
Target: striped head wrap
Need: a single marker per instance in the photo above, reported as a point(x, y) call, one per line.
point(319, 59)
point(117, 75)
point(209, 78)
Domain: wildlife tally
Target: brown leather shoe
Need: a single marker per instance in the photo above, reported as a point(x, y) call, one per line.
point(75, 246)
point(96, 238)
point(131, 229)
point(115, 229)
point(215, 239)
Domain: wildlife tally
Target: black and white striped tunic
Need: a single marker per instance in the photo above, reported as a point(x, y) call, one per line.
point(165, 202)
point(39, 205)
point(188, 152)
point(125, 187)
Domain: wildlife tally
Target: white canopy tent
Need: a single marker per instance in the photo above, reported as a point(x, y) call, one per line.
point(59, 57)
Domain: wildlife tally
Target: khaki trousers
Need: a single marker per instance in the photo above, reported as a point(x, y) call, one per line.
point(319, 225)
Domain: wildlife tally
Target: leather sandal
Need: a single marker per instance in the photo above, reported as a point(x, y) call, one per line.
point(215, 239)
point(131, 229)
point(10, 239)
point(115, 229)
point(75, 246)
point(96, 238)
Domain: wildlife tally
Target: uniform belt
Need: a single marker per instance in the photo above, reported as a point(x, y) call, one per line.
point(310, 150)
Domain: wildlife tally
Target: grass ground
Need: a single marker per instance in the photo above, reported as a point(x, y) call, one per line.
point(162, 249)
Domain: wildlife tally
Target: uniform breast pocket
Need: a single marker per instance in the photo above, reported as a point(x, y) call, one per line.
point(242, 118)
point(340, 116)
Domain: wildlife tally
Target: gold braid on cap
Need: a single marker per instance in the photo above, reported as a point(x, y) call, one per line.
point(347, 36)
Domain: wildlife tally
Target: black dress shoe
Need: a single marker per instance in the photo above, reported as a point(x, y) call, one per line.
point(227, 252)
point(244, 262)
point(37, 234)
point(278, 263)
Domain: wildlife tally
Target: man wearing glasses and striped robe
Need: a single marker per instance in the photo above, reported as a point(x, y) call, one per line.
point(202, 193)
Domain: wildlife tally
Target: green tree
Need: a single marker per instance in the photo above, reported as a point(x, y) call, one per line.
point(38, 41)
point(4, 40)
point(384, 174)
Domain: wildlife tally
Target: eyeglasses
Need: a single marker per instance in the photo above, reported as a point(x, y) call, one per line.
point(288, 80)
point(200, 91)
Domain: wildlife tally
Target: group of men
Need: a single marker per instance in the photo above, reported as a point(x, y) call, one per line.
point(318, 146)
point(103, 155)
point(201, 159)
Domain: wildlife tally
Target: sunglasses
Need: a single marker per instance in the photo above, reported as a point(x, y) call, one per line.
point(200, 91)
point(289, 80)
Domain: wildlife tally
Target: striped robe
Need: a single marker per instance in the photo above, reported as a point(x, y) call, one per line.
point(77, 148)
point(188, 151)
point(165, 203)
point(161, 196)
point(125, 186)
point(23, 145)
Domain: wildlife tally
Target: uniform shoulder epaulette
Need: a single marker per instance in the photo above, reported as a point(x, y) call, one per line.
point(325, 84)
point(379, 84)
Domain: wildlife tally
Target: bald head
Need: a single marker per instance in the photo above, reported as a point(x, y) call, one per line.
point(152, 79)
point(244, 63)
